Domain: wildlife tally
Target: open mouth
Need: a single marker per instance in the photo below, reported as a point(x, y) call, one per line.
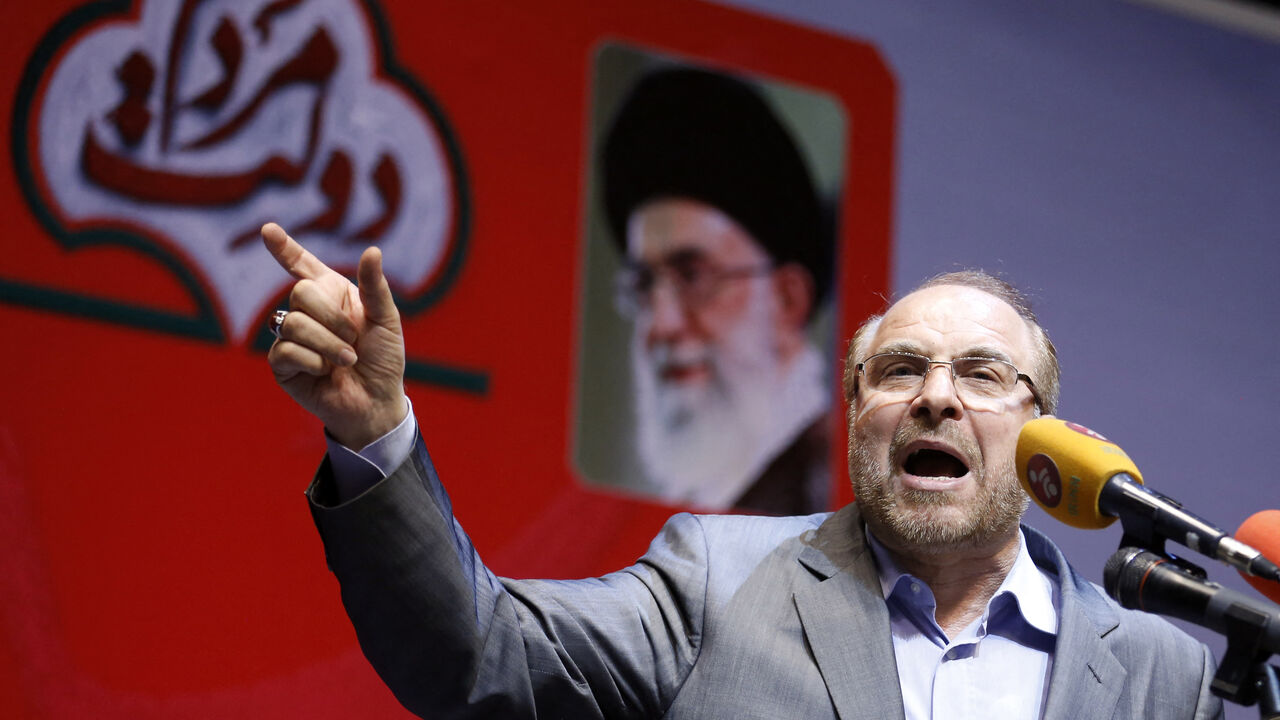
point(927, 462)
point(678, 373)
point(677, 364)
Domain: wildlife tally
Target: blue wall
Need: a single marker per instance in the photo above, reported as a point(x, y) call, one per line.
point(1123, 165)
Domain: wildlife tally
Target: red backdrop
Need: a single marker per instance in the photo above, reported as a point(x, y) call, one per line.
point(158, 559)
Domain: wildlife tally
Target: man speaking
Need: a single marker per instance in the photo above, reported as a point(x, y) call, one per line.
point(925, 598)
point(726, 260)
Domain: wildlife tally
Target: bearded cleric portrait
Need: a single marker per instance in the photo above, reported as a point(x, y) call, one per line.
point(724, 248)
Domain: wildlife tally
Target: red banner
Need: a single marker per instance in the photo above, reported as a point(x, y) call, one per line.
point(158, 559)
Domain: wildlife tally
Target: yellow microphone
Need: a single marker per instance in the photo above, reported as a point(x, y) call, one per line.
point(1086, 481)
point(1064, 468)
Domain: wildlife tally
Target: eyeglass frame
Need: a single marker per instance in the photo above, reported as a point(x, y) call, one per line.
point(930, 362)
point(628, 304)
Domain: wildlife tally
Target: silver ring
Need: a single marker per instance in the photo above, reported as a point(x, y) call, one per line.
point(276, 321)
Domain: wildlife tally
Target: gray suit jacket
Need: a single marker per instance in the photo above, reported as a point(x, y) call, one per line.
point(723, 617)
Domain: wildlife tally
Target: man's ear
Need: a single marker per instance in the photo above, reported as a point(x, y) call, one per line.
point(795, 288)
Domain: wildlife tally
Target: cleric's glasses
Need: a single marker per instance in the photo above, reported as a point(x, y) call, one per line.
point(694, 280)
point(978, 380)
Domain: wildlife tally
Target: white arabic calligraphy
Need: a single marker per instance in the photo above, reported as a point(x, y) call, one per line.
point(346, 154)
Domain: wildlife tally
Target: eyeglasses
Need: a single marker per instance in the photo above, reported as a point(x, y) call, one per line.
point(978, 380)
point(694, 280)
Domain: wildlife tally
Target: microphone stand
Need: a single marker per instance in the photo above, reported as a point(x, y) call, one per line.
point(1244, 676)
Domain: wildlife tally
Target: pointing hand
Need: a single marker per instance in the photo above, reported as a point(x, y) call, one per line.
point(340, 354)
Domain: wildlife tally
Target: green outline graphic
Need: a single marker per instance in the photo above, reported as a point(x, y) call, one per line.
point(203, 324)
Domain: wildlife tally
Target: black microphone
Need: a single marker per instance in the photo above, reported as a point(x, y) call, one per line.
point(1152, 511)
point(1086, 481)
point(1142, 580)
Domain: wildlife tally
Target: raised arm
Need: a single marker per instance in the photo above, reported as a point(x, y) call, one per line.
point(448, 637)
point(341, 350)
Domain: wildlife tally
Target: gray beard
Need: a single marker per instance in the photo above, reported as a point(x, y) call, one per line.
point(691, 439)
point(913, 520)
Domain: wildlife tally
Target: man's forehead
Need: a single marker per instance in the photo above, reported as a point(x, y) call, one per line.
point(954, 320)
point(660, 228)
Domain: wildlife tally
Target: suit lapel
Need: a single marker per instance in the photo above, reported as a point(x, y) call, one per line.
point(1087, 679)
point(846, 622)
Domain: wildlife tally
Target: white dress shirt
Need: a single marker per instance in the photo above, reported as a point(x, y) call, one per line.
point(997, 667)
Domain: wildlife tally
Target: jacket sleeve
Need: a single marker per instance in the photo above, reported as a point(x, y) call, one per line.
point(452, 640)
point(1208, 705)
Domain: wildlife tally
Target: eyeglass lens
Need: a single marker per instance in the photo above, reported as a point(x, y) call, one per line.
point(902, 372)
point(694, 280)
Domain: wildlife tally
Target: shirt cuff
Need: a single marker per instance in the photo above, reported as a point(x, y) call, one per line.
point(356, 471)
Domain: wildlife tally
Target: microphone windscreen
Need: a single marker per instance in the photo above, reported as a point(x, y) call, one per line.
point(1261, 531)
point(1064, 466)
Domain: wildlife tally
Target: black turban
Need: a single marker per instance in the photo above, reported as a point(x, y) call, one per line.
point(712, 138)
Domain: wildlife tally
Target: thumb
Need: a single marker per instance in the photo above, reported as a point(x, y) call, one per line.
point(375, 293)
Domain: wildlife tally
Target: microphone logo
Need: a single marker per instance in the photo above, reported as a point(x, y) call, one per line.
point(1085, 431)
point(1043, 479)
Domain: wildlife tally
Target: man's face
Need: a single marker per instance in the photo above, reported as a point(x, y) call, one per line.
point(931, 473)
point(681, 334)
point(707, 357)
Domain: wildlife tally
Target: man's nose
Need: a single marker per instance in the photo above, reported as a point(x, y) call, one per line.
point(667, 315)
point(938, 399)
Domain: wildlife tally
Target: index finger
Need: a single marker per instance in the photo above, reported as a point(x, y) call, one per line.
point(292, 257)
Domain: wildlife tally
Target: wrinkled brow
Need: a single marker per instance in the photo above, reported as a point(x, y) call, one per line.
point(988, 352)
point(900, 346)
point(977, 351)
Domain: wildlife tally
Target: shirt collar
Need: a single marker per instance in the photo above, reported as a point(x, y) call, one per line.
point(1026, 596)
